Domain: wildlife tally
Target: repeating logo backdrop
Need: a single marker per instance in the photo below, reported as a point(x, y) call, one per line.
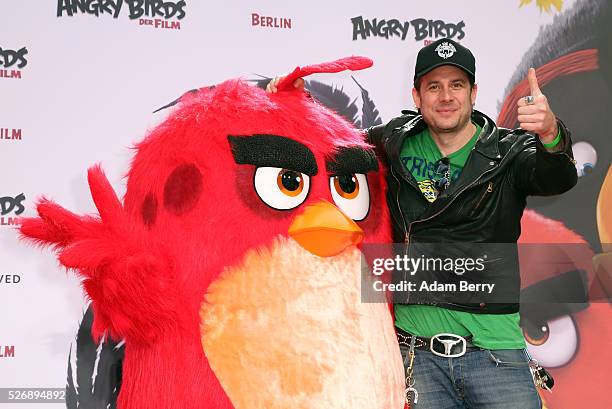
point(80, 79)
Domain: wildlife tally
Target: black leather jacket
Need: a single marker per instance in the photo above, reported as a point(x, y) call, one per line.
point(486, 202)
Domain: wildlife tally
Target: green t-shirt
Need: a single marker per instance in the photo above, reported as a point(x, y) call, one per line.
point(491, 331)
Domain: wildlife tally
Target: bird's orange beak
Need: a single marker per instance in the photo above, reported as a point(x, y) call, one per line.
point(603, 261)
point(604, 219)
point(324, 230)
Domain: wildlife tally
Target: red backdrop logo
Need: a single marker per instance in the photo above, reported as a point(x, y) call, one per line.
point(272, 22)
point(7, 351)
point(10, 134)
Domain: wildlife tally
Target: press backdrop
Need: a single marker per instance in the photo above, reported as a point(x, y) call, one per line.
point(79, 81)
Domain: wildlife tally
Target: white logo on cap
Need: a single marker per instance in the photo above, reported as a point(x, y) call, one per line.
point(446, 50)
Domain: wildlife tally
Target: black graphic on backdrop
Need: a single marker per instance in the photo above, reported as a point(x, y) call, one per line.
point(565, 48)
point(422, 28)
point(9, 58)
point(101, 390)
point(10, 204)
point(136, 8)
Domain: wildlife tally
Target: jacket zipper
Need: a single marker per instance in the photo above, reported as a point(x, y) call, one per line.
point(406, 238)
point(407, 230)
point(449, 203)
point(570, 158)
point(489, 190)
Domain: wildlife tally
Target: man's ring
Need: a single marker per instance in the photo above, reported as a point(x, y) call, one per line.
point(529, 100)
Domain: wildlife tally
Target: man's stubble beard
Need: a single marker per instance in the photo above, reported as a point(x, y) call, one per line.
point(462, 122)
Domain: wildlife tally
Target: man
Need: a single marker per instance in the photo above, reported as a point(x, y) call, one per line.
point(455, 177)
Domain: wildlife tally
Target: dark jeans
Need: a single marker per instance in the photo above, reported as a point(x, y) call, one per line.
point(487, 379)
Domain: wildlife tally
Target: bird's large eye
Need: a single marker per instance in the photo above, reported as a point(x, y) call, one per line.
point(552, 343)
point(351, 194)
point(281, 189)
point(585, 156)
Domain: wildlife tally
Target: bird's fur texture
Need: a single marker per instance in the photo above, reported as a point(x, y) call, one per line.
point(189, 212)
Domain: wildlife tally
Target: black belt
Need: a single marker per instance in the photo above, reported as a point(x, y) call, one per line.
point(445, 345)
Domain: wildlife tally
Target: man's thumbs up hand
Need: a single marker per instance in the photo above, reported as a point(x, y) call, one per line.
point(533, 83)
point(534, 113)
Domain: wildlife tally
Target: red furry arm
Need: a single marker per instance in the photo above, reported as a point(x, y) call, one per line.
point(56, 226)
point(128, 279)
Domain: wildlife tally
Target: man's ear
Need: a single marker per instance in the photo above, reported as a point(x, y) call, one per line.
point(474, 92)
point(416, 98)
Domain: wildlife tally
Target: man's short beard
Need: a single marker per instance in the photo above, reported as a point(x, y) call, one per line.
point(456, 128)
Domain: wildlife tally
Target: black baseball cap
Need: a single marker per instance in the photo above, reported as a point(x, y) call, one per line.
point(444, 52)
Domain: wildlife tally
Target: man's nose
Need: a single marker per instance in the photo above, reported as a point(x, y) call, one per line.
point(445, 94)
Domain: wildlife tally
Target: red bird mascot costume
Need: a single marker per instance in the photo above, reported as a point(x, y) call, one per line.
point(231, 268)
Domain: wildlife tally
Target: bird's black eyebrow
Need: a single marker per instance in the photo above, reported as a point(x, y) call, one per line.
point(349, 160)
point(274, 151)
point(554, 297)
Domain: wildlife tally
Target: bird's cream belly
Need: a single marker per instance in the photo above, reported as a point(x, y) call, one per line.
point(287, 329)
